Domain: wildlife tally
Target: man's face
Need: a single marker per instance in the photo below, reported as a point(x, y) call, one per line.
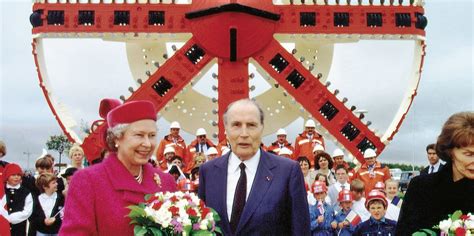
point(432, 156)
point(338, 160)
point(281, 138)
point(174, 132)
point(377, 210)
point(309, 130)
point(201, 139)
point(341, 176)
point(169, 155)
point(370, 161)
point(244, 130)
point(211, 156)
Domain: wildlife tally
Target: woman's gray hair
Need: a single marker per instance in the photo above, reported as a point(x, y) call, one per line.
point(115, 133)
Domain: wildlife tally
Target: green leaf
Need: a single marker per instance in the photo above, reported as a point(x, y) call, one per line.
point(155, 231)
point(216, 215)
point(218, 230)
point(456, 215)
point(139, 231)
point(419, 234)
point(136, 211)
point(201, 233)
point(187, 229)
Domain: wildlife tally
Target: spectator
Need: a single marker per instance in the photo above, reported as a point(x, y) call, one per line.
point(435, 165)
point(19, 200)
point(323, 165)
point(376, 204)
point(430, 198)
point(372, 171)
point(306, 141)
point(47, 207)
point(280, 143)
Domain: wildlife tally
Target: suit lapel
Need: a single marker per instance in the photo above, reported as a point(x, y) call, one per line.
point(261, 184)
point(220, 178)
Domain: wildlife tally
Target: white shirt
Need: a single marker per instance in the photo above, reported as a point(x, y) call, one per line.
point(47, 203)
point(359, 208)
point(392, 211)
point(435, 167)
point(20, 216)
point(233, 175)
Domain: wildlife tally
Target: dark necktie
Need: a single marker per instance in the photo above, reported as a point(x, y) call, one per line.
point(239, 198)
point(431, 169)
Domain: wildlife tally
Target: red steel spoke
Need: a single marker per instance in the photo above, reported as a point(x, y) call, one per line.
point(174, 20)
point(232, 85)
point(162, 86)
point(313, 96)
point(297, 19)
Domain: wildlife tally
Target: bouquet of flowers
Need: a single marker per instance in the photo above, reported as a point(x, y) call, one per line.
point(173, 214)
point(456, 225)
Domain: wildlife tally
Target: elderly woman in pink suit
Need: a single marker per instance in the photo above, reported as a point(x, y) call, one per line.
point(98, 195)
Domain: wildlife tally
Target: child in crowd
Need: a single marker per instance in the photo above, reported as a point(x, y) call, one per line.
point(68, 176)
point(321, 214)
point(48, 206)
point(19, 200)
point(376, 204)
point(346, 219)
point(358, 205)
point(393, 195)
point(393, 211)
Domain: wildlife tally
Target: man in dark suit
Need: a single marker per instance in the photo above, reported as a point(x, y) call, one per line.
point(435, 165)
point(254, 192)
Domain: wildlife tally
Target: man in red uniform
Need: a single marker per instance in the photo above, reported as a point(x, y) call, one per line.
point(200, 145)
point(372, 171)
point(172, 140)
point(280, 143)
point(306, 141)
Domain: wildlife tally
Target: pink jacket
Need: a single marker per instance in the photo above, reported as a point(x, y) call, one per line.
point(98, 196)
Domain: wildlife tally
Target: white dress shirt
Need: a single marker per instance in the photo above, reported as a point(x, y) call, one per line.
point(233, 175)
point(435, 167)
point(47, 203)
point(359, 208)
point(20, 216)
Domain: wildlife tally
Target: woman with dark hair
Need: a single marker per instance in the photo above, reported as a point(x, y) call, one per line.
point(323, 164)
point(430, 198)
point(98, 196)
point(308, 173)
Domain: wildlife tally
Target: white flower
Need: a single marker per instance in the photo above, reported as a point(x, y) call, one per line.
point(456, 224)
point(469, 223)
point(203, 224)
point(444, 225)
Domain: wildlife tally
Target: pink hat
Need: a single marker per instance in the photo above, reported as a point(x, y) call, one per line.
point(106, 105)
point(130, 112)
point(11, 169)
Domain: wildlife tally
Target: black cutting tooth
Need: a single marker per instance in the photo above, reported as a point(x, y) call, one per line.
point(295, 79)
point(279, 63)
point(121, 17)
point(162, 86)
point(156, 17)
point(195, 54)
point(55, 18)
point(402, 19)
point(307, 19)
point(365, 144)
point(350, 131)
point(374, 20)
point(86, 17)
point(341, 19)
point(328, 110)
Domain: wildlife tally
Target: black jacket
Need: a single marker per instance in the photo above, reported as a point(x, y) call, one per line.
point(426, 170)
point(430, 198)
point(38, 216)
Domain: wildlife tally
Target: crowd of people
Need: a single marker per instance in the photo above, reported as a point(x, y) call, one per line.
point(338, 199)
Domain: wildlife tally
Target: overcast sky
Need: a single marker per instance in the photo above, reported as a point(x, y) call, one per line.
point(446, 85)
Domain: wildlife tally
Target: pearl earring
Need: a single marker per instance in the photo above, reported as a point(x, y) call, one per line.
point(116, 145)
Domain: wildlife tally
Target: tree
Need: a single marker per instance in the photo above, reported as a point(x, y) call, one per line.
point(59, 143)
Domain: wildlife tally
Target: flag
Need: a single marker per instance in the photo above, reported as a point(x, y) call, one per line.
point(353, 218)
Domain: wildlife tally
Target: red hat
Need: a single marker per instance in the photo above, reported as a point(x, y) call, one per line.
point(345, 196)
point(11, 169)
point(319, 187)
point(131, 112)
point(375, 195)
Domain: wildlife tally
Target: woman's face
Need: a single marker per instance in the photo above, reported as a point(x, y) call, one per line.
point(323, 163)
point(77, 158)
point(463, 162)
point(136, 145)
point(199, 162)
point(177, 162)
point(304, 166)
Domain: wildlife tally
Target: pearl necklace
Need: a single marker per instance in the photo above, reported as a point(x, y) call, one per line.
point(139, 178)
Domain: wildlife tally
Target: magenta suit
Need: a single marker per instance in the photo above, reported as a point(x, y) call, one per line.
point(98, 196)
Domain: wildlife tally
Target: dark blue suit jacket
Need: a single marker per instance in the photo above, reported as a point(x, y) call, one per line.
point(277, 203)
